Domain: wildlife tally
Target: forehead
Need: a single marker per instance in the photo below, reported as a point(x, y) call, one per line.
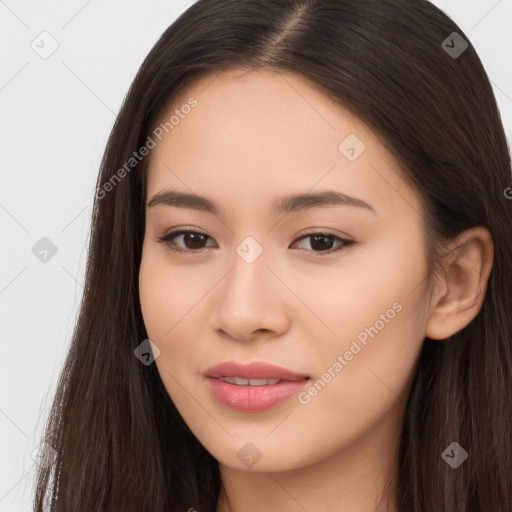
point(255, 133)
point(267, 108)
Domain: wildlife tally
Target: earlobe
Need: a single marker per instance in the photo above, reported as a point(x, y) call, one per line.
point(466, 273)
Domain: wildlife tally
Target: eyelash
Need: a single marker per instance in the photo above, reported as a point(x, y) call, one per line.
point(168, 238)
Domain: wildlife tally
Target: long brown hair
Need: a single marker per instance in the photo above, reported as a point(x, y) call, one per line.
point(120, 442)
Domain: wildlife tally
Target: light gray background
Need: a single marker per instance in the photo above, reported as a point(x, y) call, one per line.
point(55, 117)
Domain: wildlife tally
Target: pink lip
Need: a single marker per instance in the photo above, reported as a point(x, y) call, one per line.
point(253, 398)
point(256, 370)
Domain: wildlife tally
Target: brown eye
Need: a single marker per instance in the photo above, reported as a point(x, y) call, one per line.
point(192, 240)
point(322, 243)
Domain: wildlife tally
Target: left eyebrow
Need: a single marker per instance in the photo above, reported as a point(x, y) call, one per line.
point(318, 199)
point(288, 204)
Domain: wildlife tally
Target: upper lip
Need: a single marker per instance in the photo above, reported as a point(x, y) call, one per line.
point(254, 370)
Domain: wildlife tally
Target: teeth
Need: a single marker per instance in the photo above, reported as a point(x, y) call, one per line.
point(249, 382)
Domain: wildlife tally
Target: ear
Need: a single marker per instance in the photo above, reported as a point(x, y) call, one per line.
point(461, 291)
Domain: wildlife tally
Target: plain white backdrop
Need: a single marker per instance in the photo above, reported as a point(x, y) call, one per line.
point(56, 112)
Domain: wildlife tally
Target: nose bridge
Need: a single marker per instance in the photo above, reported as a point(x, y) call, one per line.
point(249, 300)
point(249, 275)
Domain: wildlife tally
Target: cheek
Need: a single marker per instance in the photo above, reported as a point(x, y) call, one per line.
point(166, 293)
point(366, 390)
point(376, 312)
point(378, 316)
point(170, 298)
point(155, 305)
point(367, 287)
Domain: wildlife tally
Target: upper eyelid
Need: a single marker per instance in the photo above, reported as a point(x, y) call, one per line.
point(309, 231)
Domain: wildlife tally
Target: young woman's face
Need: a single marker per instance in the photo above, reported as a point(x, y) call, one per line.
point(332, 290)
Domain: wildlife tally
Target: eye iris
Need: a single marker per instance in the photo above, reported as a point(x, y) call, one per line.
point(323, 239)
point(195, 238)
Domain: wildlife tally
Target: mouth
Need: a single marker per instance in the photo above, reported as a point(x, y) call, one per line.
point(254, 387)
point(239, 381)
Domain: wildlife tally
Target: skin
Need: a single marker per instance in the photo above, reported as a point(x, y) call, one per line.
point(256, 136)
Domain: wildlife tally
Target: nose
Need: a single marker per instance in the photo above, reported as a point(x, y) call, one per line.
point(251, 301)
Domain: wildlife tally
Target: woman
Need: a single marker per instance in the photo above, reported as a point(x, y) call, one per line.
point(225, 359)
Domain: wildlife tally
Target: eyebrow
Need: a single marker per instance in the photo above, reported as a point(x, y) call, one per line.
point(281, 206)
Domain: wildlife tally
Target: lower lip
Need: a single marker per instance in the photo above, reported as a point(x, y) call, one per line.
point(253, 398)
